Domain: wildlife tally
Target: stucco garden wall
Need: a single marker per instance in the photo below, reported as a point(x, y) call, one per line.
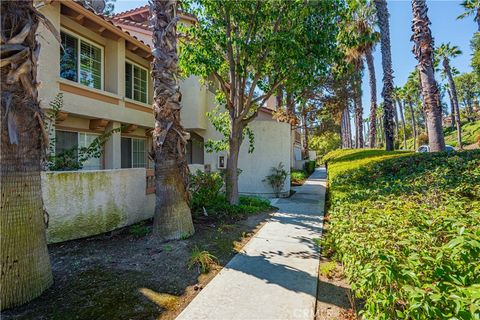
point(86, 203)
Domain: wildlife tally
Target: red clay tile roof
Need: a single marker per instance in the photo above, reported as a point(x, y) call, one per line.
point(109, 20)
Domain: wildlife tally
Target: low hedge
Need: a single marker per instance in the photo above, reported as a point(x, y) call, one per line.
point(310, 166)
point(407, 229)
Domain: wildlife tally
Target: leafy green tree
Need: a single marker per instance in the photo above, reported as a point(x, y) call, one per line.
point(446, 52)
point(423, 51)
point(472, 7)
point(468, 92)
point(250, 48)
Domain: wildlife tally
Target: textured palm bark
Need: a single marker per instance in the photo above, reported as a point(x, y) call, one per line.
point(357, 100)
point(387, 91)
point(24, 261)
point(349, 130)
point(414, 125)
point(373, 98)
point(402, 119)
point(396, 121)
point(172, 219)
point(423, 51)
point(452, 109)
point(453, 95)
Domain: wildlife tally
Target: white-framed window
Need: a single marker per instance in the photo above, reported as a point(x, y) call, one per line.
point(134, 152)
point(136, 82)
point(81, 61)
point(71, 142)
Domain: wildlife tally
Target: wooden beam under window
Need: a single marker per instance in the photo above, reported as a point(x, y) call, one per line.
point(97, 124)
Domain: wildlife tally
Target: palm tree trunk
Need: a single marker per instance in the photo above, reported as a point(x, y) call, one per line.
point(453, 91)
point(402, 118)
point(172, 219)
point(24, 260)
point(373, 98)
point(349, 128)
point(382, 15)
point(396, 122)
point(452, 109)
point(358, 112)
point(423, 51)
point(414, 125)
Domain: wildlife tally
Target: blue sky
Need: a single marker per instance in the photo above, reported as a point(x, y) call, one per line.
point(445, 28)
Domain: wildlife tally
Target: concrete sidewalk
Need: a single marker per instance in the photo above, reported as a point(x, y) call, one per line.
point(275, 275)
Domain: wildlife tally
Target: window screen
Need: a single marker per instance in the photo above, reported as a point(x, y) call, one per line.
point(66, 141)
point(136, 82)
point(69, 57)
point(126, 152)
point(138, 153)
point(90, 65)
point(128, 80)
point(84, 140)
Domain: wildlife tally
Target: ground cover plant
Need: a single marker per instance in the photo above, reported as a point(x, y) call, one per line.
point(207, 199)
point(407, 229)
point(298, 177)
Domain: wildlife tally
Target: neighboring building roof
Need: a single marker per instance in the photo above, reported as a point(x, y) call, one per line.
point(105, 23)
point(141, 14)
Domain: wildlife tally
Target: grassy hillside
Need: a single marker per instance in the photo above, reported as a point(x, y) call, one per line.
point(470, 132)
point(407, 229)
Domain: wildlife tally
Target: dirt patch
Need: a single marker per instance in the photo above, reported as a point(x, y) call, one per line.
point(125, 276)
point(334, 299)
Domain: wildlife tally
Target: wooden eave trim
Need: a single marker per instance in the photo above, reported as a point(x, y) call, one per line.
point(103, 23)
point(138, 107)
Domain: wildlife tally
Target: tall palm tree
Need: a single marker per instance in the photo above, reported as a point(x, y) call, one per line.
point(361, 29)
point(399, 95)
point(383, 23)
point(172, 219)
point(24, 260)
point(472, 7)
point(423, 51)
point(445, 52)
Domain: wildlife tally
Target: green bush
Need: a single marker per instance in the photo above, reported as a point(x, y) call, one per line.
point(407, 229)
point(310, 166)
point(422, 139)
point(204, 188)
point(276, 178)
point(298, 176)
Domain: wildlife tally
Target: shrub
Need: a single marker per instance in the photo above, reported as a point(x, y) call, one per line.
point(407, 229)
point(297, 177)
point(202, 259)
point(310, 166)
point(139, 229)
point(276, 178)
point(204, 188)
point(478, 140)
point(422, 139)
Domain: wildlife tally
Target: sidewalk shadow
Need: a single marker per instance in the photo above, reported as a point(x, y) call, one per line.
point(282, 275)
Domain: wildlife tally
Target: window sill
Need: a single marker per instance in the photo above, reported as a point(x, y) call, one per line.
point(139, 106)
point(87, 88)
point(146, 105)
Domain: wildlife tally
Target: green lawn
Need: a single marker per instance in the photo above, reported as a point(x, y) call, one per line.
point(407, 229)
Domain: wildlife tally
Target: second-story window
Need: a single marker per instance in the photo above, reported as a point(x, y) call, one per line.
point(136, 82)
point(81, 61)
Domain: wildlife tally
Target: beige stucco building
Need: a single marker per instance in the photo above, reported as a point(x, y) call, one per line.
point(103, 72)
